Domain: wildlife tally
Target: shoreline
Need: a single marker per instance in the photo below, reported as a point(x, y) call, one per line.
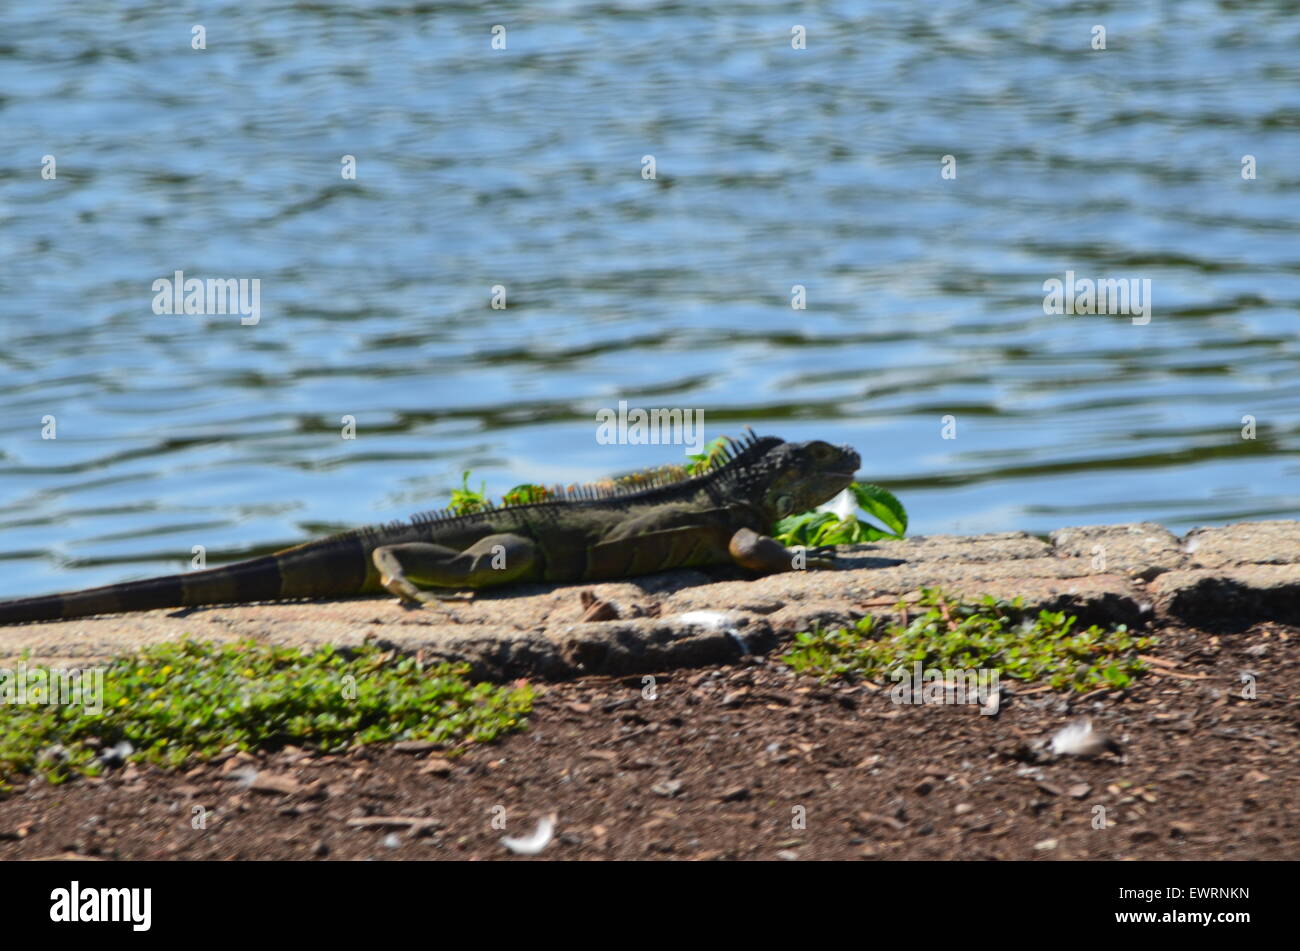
point(1218, 579)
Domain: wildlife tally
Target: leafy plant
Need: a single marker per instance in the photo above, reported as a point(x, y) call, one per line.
point(839, 527)
point(465, 500)
point(526, 494)
point(702, 462)
point(189, 700)
point(985, 634)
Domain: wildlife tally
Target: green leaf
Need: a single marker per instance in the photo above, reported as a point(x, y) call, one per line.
point(802, 529)
point(704, 461)
point(882, 504)
point(466, 500)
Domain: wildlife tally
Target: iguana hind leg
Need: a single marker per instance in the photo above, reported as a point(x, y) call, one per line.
point(766, 555)
point(408, 569)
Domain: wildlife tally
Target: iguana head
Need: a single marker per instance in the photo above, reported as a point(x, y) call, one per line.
point(785, 478)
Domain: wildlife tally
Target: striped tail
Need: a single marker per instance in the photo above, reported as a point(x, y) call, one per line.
point(310, 571)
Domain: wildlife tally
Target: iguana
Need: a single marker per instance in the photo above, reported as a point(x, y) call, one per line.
point(663, 519)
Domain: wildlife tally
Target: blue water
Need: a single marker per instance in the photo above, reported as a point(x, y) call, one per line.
point(523, 168)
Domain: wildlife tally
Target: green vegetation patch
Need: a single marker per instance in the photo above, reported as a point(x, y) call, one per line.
point(987, 634)
point(190, 700)
point(823, 527)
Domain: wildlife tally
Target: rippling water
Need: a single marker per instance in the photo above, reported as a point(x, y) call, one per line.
point(523, 168)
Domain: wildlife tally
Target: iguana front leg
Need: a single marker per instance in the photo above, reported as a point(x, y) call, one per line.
point(766, 555)
point(408, 568)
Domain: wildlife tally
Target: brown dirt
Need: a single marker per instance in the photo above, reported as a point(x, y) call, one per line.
point(721, 762)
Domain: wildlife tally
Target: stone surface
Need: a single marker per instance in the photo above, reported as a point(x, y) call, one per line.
point(1231, 598)
point(1143, 550)
point(1217, 577)
point(1246, 543)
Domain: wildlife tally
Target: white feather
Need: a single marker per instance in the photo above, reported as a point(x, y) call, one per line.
point(1079, 739)
point(533, 844)
point(714, 620)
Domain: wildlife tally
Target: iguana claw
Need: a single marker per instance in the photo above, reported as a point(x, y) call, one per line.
point(427, 598)
point(823, 556)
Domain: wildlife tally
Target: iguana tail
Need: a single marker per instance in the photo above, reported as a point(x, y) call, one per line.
point(310, 571)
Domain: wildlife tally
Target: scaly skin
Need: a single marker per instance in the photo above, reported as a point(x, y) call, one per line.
point(588, 534)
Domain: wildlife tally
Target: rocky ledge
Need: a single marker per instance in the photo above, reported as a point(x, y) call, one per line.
point(1220, 579)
